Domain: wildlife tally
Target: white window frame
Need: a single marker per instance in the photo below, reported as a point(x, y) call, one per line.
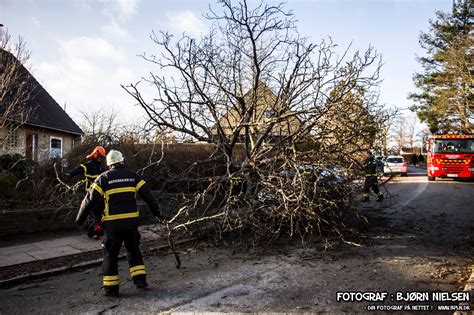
point(51, 142)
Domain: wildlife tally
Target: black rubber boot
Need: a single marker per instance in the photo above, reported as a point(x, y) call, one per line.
point(112, 291)
point(142, 285)
point(140, 282)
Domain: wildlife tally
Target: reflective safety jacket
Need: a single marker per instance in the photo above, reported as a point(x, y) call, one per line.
point(90, 169)
point(115, 191)
point(370, 167)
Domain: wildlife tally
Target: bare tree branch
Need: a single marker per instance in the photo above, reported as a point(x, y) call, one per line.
point(288, 119)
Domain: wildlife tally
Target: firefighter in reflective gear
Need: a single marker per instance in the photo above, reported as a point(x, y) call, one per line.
point(371, 178)
point(91, 170)
point(116, 190)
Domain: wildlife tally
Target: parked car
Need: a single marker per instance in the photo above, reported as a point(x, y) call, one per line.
point(395, 165)
point(329, 177)
point(324, 175)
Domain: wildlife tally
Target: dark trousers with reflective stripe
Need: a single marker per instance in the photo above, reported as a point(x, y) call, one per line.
point(112, 243)
point(371, 182)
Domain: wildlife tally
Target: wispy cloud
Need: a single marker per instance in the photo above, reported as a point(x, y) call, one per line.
point(36, 22)
point(118, 12)
point(91, 48)
point(113, 29)
point(88, 73)
point(120, 9)
point(127, 7)
point(185, 21)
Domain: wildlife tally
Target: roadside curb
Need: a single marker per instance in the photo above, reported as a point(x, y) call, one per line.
point(37, 250)
point(83, 264)
point(47, 273)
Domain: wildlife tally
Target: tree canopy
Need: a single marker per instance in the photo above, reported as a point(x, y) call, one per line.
point(444, 99)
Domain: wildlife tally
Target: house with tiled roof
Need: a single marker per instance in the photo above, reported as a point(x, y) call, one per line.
point(39, 129)
point(266, 107)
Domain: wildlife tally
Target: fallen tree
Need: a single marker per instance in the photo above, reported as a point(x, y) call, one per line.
point(298, 113)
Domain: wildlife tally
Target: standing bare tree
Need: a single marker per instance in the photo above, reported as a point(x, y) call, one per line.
point(100, 127)
point(403, 131)
point(422, 138)
point(17, 86)
point(410, 131)
point(389, 117)
point(287, 117)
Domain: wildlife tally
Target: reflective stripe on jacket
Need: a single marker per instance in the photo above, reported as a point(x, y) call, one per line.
point(90, 169)
point(116, 190)
point(125, 210)
point(370, 167)
point(89, 177)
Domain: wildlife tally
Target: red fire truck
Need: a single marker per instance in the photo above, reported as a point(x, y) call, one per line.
point(450, 156)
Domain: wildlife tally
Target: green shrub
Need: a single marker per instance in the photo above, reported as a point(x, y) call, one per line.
point(16, 165)
point(8, 183)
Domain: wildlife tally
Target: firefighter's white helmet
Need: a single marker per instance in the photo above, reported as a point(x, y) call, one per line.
point(114, 157)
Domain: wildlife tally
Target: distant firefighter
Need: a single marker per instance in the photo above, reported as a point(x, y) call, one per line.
point(414, 160)
point(371, 181)
point(421, 159)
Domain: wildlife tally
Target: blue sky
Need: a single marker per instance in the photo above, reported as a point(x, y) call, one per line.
point(82, 50)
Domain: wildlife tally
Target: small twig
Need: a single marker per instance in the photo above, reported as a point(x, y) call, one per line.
point(352, 243)
point(184, 225)
point(181, 210)
point(59, 179)
point(20, 181)
point(142, 170)
point(171, 244)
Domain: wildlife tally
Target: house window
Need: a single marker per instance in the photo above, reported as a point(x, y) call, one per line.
point(56, 148)
point(76, 141)
point(12, 137)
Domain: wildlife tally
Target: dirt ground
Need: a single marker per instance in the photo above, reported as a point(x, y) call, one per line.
point(423, 244)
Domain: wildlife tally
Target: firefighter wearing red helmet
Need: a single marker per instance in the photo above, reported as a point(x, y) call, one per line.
point(115, 191)
point(91, 170)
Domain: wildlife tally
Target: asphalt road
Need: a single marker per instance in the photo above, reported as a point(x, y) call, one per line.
point(439, 212)
point(421, 240)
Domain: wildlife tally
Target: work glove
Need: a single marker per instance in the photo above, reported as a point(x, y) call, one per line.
point(159, 217)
